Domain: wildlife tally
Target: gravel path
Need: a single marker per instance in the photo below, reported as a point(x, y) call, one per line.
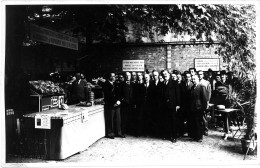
point(132, 151)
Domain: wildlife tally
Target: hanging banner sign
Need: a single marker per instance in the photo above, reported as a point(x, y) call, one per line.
point(133, 65)
point(42, 121)
point(205, 63)
point(51, 37)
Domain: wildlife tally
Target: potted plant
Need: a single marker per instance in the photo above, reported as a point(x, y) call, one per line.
point(243, 96)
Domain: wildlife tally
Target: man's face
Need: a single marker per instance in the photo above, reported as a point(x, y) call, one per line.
point(155, 76)
point(134, 76)
point(121, 78)
point(192, 71)
point(112, 77)
point(188, 77)
point(223, 78)
point(195, 79)
point(139, 76)
point(166, 75)
point(200, 74)
point(179, 77)
point(160, 78)
point(209, 73)
point(78, 76)
point(128, 76)
point(218, 78)
point(174, 77)
point(147, 78)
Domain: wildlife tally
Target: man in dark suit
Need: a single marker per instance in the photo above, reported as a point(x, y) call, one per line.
point(156, 104)
point(199, 101)
point(126, 107)
point(139, 99)
point(112, 108)
point(169, 98)
point(183, 113)
point(78, 90)
point(186, 101)
point(147, 115)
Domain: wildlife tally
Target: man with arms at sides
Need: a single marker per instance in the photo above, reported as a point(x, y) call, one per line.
point(138, 100)
point(169, 108)
point(207, 85)
point(148, 127)
point(112, 108)
point(126, 106)
point(156, 103)
point(184, 104)
point(197, 107)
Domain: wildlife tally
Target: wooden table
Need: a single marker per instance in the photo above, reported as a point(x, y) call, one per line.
point(226, 113)
point(72, 131)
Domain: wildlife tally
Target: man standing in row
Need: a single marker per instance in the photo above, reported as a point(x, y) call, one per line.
point(127, 104)
point(197, 107)
point(112, 108)
point(207, 85)
point(169, 99)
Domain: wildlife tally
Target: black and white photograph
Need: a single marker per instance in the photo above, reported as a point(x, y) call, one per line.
point(129, 83)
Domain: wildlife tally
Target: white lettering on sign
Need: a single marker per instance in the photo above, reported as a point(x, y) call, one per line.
point(51, 37)
point(133, 65)
point(42, 121)
point(205, 63)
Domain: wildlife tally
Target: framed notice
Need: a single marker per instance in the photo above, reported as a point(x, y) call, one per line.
point(205, 63)
point(42, 121)
point(133, 65)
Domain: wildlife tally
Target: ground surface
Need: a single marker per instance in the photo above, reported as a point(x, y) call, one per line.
point(132, 151)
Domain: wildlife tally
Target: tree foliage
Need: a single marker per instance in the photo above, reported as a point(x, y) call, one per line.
point(234, 25)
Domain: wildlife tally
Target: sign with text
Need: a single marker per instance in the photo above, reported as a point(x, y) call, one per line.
point(51, 37)
point(205, 63)
point(42, 121)
point(133, 65)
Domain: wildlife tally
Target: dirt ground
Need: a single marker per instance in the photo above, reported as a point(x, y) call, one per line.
point(148, 151)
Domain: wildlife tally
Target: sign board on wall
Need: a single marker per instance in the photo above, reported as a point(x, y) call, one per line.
point(133, 65)
point(205, 63)
point(51, 37)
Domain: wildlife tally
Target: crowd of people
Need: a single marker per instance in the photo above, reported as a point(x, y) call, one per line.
point(163, 104)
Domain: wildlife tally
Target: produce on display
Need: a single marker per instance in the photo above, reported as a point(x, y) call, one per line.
point(46, 87)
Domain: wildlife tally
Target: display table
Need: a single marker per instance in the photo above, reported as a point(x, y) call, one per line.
point(71, 131)
point(226, 113)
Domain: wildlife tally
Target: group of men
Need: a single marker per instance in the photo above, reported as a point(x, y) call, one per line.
point(161, 104)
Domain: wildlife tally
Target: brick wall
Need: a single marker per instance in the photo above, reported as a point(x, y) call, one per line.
point(183, 56)
point(105, 58)
point(109, 58)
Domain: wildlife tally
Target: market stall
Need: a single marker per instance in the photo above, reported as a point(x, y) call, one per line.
point(56, 131)
point(58, 134)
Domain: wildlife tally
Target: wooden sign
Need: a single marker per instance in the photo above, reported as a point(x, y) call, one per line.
point(54, 38)
point(205, 63)
point(133, 65)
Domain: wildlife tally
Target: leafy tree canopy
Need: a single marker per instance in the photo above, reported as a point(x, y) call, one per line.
point(234, 25)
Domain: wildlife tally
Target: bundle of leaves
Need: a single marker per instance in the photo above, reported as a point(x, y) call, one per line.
point(245, 99)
